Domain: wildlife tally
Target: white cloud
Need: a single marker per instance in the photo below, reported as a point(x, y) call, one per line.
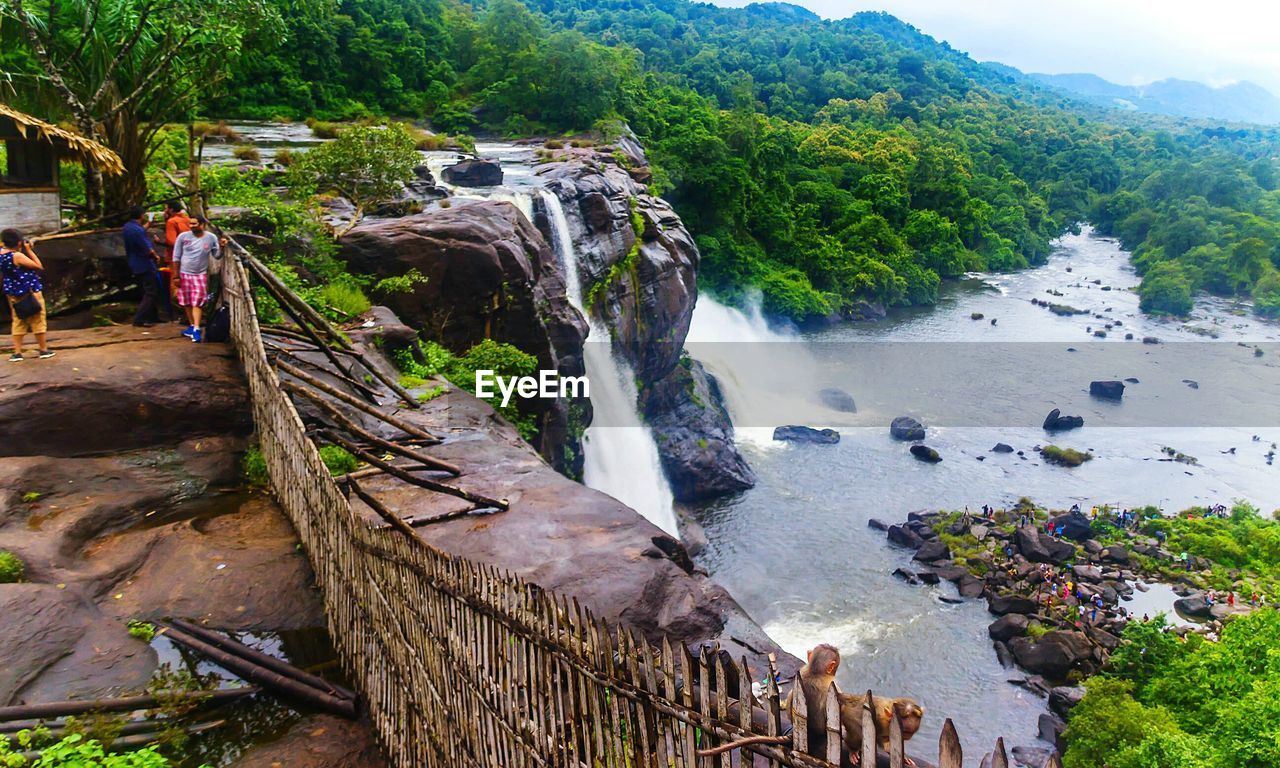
point(1127, 41)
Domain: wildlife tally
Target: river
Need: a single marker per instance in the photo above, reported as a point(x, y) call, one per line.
point(796, 551)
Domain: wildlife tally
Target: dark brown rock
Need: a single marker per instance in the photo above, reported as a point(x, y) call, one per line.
point(1010, 603)
point(648, 301)
point(694, 434)
point(932, 551)
point(120, 388)
point(490, 274)
point(474, 173)
point(1055, 654)
point(319, 741)
point(1008, 626)
point(1064, 697)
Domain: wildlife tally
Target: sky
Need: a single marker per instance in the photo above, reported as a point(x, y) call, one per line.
point(1131, 42)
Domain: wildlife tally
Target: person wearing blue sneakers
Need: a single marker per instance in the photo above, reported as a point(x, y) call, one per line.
point(191, 253)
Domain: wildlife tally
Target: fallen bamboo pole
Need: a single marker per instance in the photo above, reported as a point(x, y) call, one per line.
point(315, 338)
point(318, 320)
point(230, 645)
point(124, 704)
point(58, 728)
point(359, 431)
point(421, 482)
point(253, 672)
point(360, 474)
point(392, 518)
point(302, 307)
point(419, 521)
point(292, 354)
point(355, 402)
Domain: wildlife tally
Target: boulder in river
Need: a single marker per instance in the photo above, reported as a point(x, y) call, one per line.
point(1194, 607)
point(1073, 525)
point(1056, 422)
point(904, 537)
point(837, 400)
point(1054, 654)
point(474, 173)
point(932, 551)
point(1002, 448)
point(925, 453)
point(1063, 698)
point(694, 434)
point(906, 428)
point(1107, 390)
point(1001, 605)
point(1008, 626)
point(800, 434)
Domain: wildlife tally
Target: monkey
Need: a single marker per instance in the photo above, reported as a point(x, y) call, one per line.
point(818, 675)
point(909, 716)
point(815, 678)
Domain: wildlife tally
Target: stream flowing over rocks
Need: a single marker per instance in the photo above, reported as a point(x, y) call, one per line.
point(983, 392)
point(494, 263)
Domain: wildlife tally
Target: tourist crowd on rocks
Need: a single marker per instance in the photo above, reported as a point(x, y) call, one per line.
point(176, 274)
point(1055, 588)
point(176, 280)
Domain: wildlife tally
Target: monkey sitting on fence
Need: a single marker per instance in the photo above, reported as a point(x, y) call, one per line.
point(818, 675)
point(909, 716)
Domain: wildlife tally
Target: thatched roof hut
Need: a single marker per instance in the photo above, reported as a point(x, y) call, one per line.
point(30, 197)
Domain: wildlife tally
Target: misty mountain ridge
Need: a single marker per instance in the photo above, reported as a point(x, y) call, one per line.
point(1238, 102)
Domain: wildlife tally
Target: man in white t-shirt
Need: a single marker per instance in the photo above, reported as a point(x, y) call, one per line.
point(191, 253)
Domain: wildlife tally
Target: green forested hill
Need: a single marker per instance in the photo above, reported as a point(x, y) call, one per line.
point(829, 163)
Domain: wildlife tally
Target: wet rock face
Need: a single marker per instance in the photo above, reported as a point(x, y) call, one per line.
point(490, 275)
point(796, 433)
point(645, 295)
point(474, 173)
point(694, 434)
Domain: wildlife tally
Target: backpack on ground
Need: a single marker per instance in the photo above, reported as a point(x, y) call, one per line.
point(218, 329)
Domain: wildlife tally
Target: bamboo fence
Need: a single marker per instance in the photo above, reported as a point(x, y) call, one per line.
point(462, 664)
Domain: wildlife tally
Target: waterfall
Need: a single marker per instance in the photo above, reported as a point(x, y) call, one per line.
point(759, 371)
point(620, 455)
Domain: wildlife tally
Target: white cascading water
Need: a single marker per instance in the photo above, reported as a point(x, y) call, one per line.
point(620, 456)
point(757, 369)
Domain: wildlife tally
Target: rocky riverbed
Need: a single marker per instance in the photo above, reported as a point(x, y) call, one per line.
point(121, 493)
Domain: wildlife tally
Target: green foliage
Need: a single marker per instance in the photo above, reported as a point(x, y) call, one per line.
point(253, 466)
point(12, 569)
point(405, 283)
point(142, 630)
point(503, 359)
point(1067, 457)
point(1170, 702)
point(831, 165)
point(345, 298)
point(31, 497)
point(338, 460)
point(75, 751)
point(365, 164)
point(1244, 541)
point(1166, 290)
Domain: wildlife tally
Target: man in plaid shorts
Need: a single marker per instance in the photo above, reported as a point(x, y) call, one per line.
point(191, 253)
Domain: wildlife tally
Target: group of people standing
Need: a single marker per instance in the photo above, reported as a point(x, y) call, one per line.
point(181, 269)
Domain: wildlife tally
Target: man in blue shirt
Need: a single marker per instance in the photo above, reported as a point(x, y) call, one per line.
point(141, 253)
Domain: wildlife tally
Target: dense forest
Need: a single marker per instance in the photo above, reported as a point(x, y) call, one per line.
point(837, 166)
